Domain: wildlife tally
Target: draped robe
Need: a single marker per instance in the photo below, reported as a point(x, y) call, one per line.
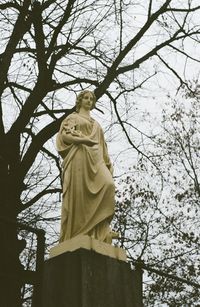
point(88, 187)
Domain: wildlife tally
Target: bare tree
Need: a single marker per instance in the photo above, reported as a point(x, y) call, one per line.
point(50, 49)
point(158, 216)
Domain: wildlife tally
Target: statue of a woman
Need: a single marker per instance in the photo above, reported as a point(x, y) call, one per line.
point(88, 187)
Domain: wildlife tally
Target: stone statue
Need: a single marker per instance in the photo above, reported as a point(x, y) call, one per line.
point(88, 186)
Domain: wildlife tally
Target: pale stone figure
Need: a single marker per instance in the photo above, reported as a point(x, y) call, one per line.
point(88, 187)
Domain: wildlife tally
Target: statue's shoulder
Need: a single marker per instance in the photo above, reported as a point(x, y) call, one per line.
point(97, 124)
point(71, 116)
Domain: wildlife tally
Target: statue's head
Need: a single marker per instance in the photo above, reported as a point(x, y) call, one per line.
point(80, 97)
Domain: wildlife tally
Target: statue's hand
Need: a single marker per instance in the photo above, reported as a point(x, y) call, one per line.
point(76, 133)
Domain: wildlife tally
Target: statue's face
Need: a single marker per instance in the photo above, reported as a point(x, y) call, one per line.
point(87, 101)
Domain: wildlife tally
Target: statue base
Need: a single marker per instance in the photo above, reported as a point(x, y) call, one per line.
point(88, 243)
point(84, 278)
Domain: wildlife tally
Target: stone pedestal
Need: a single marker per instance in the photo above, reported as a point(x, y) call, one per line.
point(85, 278)
point(88, 243)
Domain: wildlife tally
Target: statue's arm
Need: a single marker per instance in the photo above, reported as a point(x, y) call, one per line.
point(69, 134)
point(76, 138)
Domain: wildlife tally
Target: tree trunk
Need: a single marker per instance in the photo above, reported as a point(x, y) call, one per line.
point(10, 266)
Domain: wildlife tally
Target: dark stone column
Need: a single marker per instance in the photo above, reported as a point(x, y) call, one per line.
point(84, 278)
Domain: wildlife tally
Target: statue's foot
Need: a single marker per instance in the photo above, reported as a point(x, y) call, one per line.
point(111, 236)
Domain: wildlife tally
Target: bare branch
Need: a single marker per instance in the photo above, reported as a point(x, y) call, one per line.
point(164, 274)
point(19, 86)
point(10, 5)
point(183, 10)
point(36, 96)
point(176, 74)
point(39, 38)
point(112, 70)
point(21, 26)
point(149, 54)
point(62, 22)
point(150, 7)
point(39, 196)
point(184, 53)
point(47, 3)
point(57, 86)
point(38, 142)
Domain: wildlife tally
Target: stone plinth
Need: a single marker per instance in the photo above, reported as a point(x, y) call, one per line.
point(88, 243)
point(85, 278)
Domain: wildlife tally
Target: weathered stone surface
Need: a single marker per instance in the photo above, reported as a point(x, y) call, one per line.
point(88, 187)
point(89, 243)
point(85, 278)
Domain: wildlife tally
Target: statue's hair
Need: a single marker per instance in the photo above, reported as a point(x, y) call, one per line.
point(80, 97)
